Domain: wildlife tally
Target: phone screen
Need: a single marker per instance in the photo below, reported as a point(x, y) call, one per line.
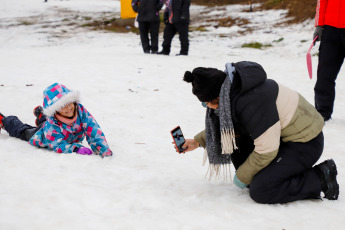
point(178, 138)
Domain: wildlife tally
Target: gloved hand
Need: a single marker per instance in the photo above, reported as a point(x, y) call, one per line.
point(239, 183)
point(318, 32)
point(84, 151)
point(107, 154)
point(166, 18)
point(183, 20)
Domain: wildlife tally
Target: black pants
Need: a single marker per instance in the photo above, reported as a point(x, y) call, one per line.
point(152, 28)
point(18, 129)
point(331, 57)
point(169, 32)
point(290, 176)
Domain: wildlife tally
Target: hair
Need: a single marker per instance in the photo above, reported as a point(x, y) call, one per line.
point(206, 82)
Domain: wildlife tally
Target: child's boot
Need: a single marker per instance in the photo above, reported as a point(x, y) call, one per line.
point(40, 117)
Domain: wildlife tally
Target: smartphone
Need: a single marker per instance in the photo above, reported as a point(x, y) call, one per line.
point(178, 139)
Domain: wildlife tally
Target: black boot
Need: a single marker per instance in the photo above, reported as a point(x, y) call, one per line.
point(163, 52)
point(182, 53)
point(327, 172)
point(1, 123)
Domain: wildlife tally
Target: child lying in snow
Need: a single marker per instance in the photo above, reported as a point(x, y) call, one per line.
point(62, 124)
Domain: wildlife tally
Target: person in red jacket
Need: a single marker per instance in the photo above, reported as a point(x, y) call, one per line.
point(330, 29)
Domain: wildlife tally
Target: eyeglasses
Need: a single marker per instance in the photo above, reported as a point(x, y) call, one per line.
point(204, 104)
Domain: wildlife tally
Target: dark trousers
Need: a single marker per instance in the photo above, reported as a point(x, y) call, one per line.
point(145, 28)
point(331, 57)
point(18, 129)
point(169, 32)
point(290, 176)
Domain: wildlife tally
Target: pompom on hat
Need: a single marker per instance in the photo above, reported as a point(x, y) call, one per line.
point(57, 96)
point(206, 82)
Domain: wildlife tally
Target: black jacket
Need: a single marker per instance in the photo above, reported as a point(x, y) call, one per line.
point(265, 113)
point(180, 10)
point(148, 10)
point(251, 83)
point(250, 118)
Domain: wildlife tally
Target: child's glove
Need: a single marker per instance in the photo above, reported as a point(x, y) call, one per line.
point(84, 151)
point(239, 183)
point(107, 154)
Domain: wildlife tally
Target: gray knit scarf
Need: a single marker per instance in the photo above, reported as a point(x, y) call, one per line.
point(220, 135)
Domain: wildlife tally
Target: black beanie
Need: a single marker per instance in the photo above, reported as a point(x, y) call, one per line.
point(206, 82)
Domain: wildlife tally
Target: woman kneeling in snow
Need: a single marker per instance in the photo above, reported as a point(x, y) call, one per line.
point(62, 124)
point(271, 133)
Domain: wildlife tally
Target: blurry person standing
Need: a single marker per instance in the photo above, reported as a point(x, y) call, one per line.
point(330, 29)
point(176, 19)
point(148, 18)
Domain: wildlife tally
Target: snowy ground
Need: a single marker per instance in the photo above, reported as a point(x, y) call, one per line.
point(137, 99)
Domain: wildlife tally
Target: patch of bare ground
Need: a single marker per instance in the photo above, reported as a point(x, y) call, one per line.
point(229, 21)
point(298, 10)
point(114, 25)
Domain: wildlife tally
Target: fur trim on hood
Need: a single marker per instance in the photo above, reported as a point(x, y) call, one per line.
point(57, 96)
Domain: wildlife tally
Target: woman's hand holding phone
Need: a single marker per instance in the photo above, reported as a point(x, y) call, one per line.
point(182, 145)
point(189, 145)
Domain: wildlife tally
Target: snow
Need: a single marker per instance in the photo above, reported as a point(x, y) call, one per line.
point(137, 99)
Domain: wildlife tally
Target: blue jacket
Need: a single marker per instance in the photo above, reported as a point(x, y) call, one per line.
point(63, 138)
